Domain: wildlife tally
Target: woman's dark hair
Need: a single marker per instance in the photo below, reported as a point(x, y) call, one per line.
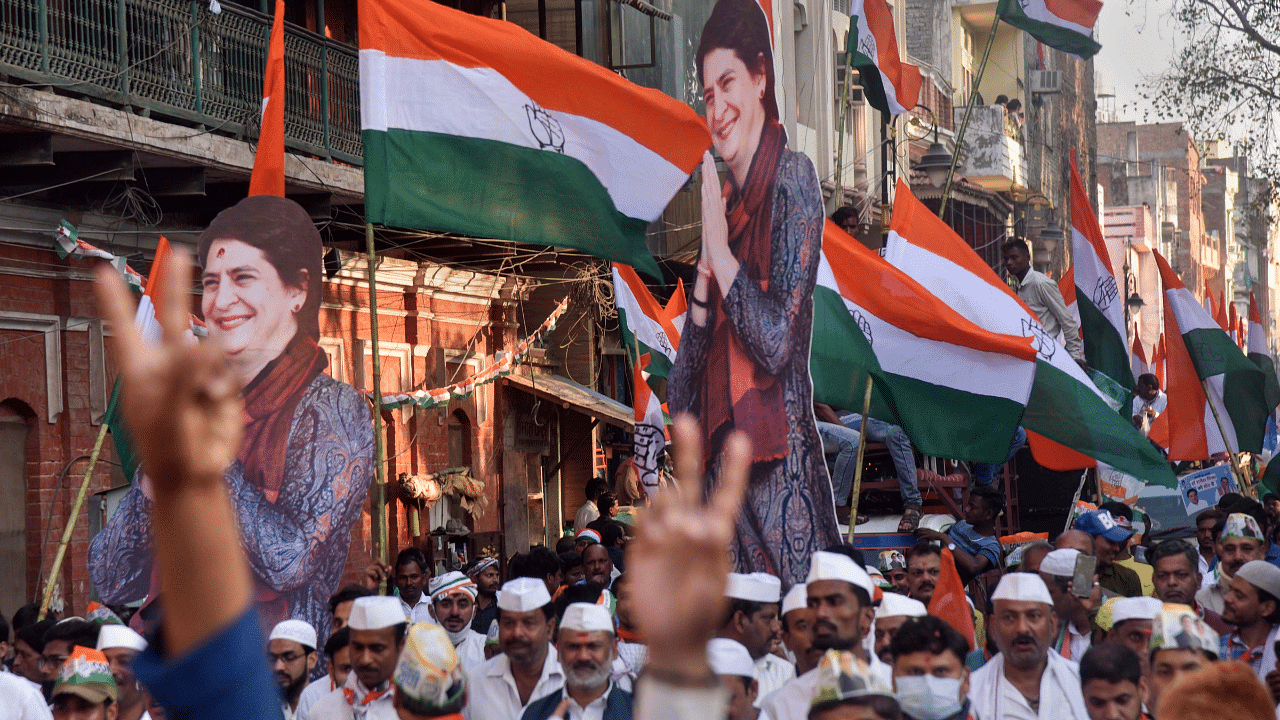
point(283, 231)
point(740, 26)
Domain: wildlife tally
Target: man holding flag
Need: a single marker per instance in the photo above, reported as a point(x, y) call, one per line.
point(1043, 297)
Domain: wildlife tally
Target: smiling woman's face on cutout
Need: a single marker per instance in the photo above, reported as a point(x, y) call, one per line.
point(247, 306)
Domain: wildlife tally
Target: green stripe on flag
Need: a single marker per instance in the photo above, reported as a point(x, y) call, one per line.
point(114, 419)
point(659, 364)
point(868, 72)
point(1071, 414)
point(1063, 39)
point(494, 189)
point(941, 421)
point(1244, 385)
point(1103, 347)
point(1271, 386)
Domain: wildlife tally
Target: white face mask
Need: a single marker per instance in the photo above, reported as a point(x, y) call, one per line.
point(925, 697)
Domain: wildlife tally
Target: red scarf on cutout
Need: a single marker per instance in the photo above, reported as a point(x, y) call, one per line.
point(269, 403)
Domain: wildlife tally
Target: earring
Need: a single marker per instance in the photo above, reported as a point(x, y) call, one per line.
point(297, 307)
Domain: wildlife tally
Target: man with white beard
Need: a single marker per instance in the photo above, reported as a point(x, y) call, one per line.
point(586, 646)
point(453, 605)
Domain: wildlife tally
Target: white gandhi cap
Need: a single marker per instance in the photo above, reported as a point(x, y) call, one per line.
point(523, 595)
point(119, 636)
point(756, 587)
point(587, 617)
point(376, 612)
point(1135, 608)
point(797, 598)
point(1022, 587)
point(895, 605)
point(295, 630)
point(730, 657)
point(1060, 563)
point(834, 566)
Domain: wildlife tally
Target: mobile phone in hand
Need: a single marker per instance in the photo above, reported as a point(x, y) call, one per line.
point(1082, 578)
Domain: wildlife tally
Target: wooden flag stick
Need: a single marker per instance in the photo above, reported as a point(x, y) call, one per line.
point(1242, 484)
point(71, 523)
point(862, 448)
point(378, 501)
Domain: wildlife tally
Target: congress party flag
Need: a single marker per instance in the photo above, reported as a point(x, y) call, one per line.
point(472, 125)
point(1063, 24)
point(891, 85)
point(268, 161)
point(1200, 355)
point(1260, 354)
point(1099, 299)
point(1067, 417)
point(957, 389)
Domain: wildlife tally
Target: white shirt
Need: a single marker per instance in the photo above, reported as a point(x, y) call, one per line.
point(1206, 575)
point(471, 651)
point(772, 672)
point(792, 700)
point(586, 514)
point(492, 694)
point(312, 693)
point(420, 612)
point(334, 706)
point(594, 709)
point(22, 699)
point(1160, 402)
point(1060, 677)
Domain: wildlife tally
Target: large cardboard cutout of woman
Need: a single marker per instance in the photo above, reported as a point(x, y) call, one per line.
point(303, 472)
point(744, 354)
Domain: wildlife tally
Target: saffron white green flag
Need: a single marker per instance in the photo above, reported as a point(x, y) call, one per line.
point(1260, 354)
point(472, 125)
point(957, 389)
point(1199, 356)
point(1099, 300)
point(1063, 24)
point(891, 85)
point(1067, 417)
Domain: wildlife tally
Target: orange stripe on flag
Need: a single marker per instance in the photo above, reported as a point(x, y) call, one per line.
point(1186, 436)
point(906, 79)
point(555, 79)
point(948, 602)
point(268, 162)
point(1067, 286)
point(1080, 12)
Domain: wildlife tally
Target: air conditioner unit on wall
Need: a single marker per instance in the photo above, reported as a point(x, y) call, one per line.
point(1046, 81)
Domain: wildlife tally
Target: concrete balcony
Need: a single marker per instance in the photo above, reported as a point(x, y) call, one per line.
point(989, 157)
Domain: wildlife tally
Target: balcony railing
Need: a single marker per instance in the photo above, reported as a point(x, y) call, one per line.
point(992, 158)
point(177, 59)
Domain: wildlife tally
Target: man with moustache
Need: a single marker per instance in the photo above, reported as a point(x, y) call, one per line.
point(411, 578)
point(1026, 680)
point(121, 646)
point(1176, 577)
point(1240, 541)
point(377, 626)
point(797, 629)
point(752, 620)
point(484, 572)
point(1253, 607)
point(924, 565)
point(894, 611)
point(291, 650)
point(453, 605)
point(529, 667)
point(598, 564)
point(839, 592)
point(337, 650)
point(587, 646)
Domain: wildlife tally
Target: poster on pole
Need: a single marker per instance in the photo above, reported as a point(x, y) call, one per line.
point(303, 471)
point(744, 351)
point(1203, 489)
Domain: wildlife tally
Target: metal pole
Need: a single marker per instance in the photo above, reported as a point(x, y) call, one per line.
point(844, 109)
point(862, 448)
point(378, 498)
point(968, 110)
point(71, 522)
point(1241, 482)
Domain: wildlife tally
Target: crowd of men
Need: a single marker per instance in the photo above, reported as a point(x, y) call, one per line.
point(1091, 626)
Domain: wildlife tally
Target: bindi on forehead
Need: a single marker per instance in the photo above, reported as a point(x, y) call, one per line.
point(221, 251)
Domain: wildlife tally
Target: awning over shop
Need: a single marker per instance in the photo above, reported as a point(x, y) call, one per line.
point(569, 394)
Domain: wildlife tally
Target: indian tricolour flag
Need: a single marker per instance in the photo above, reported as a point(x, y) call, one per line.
point(1067, 417)
point(651, 334)
point(1201, 356)
point(891, 86)
point(956, 389)
point(472, 125)
point(1100, 302)
point(1260, 354)
point(1063, 24)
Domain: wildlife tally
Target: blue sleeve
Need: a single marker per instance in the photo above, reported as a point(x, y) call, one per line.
point(226, 677)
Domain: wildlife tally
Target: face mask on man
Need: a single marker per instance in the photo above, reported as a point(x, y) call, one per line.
point(925, 697)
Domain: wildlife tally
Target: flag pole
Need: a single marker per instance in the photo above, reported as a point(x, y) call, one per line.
point(844, 109)
point(71, 523)
point(378, 499)
point(1241, 482)
point(862, 448)
point(968, 110)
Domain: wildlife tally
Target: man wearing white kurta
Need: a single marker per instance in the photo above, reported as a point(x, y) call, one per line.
point(528, 668)
point(377, 627)
point(753, 621)
point(840, 592)
point(1026, 680)
point(453, 606)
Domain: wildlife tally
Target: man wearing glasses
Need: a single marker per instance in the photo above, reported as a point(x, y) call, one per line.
point(291, 651)
point(58, 641)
